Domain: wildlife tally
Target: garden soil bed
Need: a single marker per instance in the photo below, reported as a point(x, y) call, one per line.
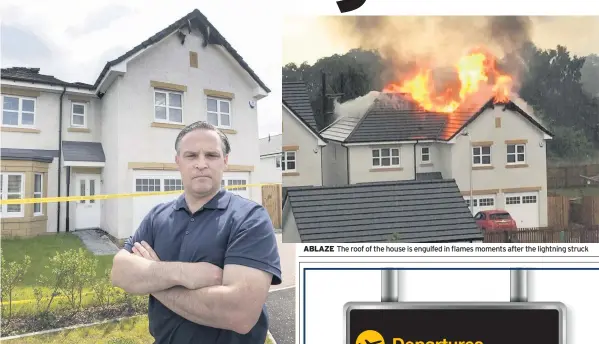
point(28, 324)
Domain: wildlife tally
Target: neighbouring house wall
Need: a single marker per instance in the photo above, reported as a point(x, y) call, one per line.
point(444, 159)
point(296, 137)
point(362, 171)
point(290, 231)
point(500, 176)
point(268, 170)
point(334, 165)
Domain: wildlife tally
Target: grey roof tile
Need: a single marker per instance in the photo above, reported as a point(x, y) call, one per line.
point(41, 155)
point(340, 129)
point(83, 151)
point(33, 75)
point(296, 98)
point(415, 211)
point(429, 176)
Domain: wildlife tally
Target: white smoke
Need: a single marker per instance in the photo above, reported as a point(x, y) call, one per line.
point(356, 107)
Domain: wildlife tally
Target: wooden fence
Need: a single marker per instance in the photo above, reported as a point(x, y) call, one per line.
point(559, 177)
point(563, 211)
point(544, 235)
point(272, 201)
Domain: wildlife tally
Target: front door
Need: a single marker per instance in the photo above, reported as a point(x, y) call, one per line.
point(87, 212)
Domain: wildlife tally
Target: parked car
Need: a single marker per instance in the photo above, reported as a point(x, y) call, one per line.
point(495, 220)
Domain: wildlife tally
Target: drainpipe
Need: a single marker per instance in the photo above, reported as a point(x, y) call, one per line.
point(68, 194)
point(347, 163)
point(64, 89)
point(415, 160)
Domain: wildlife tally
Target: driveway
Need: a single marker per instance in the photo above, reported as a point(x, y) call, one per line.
point(281, 301)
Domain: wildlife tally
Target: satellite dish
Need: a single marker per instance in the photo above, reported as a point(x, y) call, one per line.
point(252, 103)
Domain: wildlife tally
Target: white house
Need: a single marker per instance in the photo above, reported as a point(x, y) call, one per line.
point(301, 161)
point(270, 159)
point(496, 153)
point(117, 135)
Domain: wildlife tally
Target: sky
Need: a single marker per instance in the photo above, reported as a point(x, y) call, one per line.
point(579, 34)
point(73, 40)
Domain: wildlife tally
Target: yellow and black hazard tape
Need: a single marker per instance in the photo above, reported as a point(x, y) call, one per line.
point(112, 196)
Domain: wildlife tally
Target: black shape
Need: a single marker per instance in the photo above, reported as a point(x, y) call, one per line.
point(350, 5)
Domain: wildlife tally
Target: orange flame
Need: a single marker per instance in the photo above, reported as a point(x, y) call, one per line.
point(473, 71)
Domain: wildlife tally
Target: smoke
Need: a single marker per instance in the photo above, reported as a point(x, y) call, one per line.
point(435, 42)
point(355, 107)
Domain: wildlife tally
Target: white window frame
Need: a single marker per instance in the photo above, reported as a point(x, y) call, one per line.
point(515, 154)
point(160, 182)
point(5, 213)
point(19, 112)
point(38, 194)
point(73, 114)
point(427, 154)
point(278, 161)
point(481, 155)
point(168, 106)
point(178, 184)
point(219, 114)
point(380, 157)
point(285, 161)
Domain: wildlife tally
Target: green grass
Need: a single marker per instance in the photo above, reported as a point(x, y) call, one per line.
point(40, 249)
point(128, 331)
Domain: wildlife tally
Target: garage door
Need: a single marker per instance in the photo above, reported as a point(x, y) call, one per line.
point(153, 181)
point(524, 208)
point(231, 179)
point(482, 202)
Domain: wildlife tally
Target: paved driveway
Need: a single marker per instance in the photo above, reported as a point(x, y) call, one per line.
point(281, 301)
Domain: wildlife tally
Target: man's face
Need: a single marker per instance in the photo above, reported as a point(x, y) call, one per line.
point(201, 161)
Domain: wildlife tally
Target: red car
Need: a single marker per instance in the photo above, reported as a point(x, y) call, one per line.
point(495, 220)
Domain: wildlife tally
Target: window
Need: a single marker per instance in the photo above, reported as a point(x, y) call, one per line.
point(512, 200)
point(474, 202)
point(385, 157)
point(529, 199)
point(288, 161)
point(278, 161)
point(37, 193)
point(219, 112)
point(515, 154)
point(78, 112)
point(481, 155)
point(234, 182)
point(173, 184)
point(168, 106)
point(18, 111)
point(486, 202)
point(147, 185)
point(425, 154)
point(12, 186)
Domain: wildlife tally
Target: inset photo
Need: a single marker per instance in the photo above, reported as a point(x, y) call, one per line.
point(440, 129)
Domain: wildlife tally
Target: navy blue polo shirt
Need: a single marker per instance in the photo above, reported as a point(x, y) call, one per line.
point(229, 229)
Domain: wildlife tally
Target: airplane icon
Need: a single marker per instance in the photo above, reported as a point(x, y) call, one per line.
point(370, 337)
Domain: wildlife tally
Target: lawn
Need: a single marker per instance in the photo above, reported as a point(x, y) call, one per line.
point(129, 331)
point(40, 249)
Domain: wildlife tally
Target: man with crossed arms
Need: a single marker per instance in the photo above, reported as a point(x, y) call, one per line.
point(208, 258)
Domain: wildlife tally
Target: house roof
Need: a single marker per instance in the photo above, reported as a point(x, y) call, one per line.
point(83, 151)
point(412, 211)
point(207, 29)
point(295, 98)
point(271, 145)
point(392, 118)
point(41, 155)
point(33, 75)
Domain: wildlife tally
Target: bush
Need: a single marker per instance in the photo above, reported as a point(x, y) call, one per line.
point(12, 274)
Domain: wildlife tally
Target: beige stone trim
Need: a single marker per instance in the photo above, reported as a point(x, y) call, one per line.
point(480, 192)
point(168, 86)
point(290, 174)
point(516, 142)
point(146, 166)
point(516, 165)
point(219, 94)
point(240, 168)
point(228, 131)
point(482, 143)
point(79, 130)
point(11, 91)
point(21, 130)
point(390, 169)
point(428, 164)
point(193, 59)
point(290, 148)
point(167, 125)
point(87, 170)
point(497, 122)
point(479, 168)
point(522, 189)
point(173, 167)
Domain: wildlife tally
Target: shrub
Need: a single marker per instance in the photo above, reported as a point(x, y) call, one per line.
point(12, 274)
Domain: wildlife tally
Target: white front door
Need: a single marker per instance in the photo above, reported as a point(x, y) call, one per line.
point(87, 212)
point(480, 203)
point(524, 208)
